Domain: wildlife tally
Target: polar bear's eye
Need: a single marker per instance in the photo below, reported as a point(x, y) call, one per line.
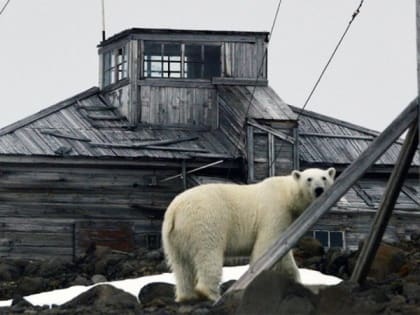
point(309, 179)
point(324, 178)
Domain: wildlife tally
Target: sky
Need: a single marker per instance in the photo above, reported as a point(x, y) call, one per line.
point(48, 49)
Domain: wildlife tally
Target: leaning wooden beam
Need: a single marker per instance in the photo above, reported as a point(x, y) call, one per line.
point(191, 171)
point(327, 135)
point(272, 131)
point(142, 145)
point(68, 137)
point(384, 212)
point(343, 183)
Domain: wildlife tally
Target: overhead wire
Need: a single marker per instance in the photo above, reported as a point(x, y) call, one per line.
point(259, 72)
point(353, 17)
point(4, 7)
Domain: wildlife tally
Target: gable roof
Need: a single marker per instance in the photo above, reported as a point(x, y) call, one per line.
point(86, 126)
point(326, 140)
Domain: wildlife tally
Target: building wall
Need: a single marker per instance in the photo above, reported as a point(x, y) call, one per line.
point(58, 210)
point(192, 106)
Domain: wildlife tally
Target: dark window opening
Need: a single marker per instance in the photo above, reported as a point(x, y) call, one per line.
point(153, 241)
point(329, 239)
point(190, 61)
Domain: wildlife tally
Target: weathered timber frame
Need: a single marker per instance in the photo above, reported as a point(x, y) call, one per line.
point(408, 118)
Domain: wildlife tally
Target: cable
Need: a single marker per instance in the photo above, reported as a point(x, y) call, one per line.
point(255, 84)
point(4, 6)
point(353, 17)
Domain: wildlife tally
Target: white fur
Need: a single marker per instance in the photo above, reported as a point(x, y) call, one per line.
point(207, 222)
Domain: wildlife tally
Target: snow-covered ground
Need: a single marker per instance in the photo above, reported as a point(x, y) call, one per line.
point(133, 286)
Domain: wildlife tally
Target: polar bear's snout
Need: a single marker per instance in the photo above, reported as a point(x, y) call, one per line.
point(318, 191)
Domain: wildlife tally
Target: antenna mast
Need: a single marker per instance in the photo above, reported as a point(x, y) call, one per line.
point(103, 19)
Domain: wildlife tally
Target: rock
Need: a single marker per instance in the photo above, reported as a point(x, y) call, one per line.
point(106, 298)
point(9, 272)
point(155, 255)
point(272, 293)
point(309, 247)
point(388, 260)
point(412, 292)
point(31, 285)
point(228, 304)
point(52, 267)
point(157, 293)
point(81, 281)
point(98, 278)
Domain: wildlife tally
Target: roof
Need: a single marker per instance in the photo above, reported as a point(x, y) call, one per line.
point(259, 102)
point(86, 126)
point(326, 140)
point(158, 31)
point(367, 194)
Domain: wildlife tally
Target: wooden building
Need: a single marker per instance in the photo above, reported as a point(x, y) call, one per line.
point(174, 109)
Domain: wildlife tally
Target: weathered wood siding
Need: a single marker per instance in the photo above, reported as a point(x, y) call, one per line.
point(178, 106)
point(356, 226)
point(245, 60)
point(270, 156)
point(47, 211)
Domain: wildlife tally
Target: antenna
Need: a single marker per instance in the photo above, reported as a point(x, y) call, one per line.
point(103, 19)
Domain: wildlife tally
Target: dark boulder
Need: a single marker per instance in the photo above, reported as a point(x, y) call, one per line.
point(157, 293)
point(272, 293)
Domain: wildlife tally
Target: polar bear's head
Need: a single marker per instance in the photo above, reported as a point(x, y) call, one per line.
point(314, 181)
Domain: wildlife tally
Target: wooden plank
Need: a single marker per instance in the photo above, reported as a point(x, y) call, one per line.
point(279, 134)
point(142, 145)
point(327, 135)
point(272, 157)
point(60, 135)
point(383, 215)
point(250, 153)
point(343, 183)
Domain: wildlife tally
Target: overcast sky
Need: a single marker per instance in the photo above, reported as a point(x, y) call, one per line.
point(48, 49)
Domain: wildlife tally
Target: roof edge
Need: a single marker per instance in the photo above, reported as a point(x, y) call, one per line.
point(335, 120)
point(136, 30)
point(49, 110)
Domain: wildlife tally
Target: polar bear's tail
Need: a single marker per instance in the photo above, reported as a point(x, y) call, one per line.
point(167, 228)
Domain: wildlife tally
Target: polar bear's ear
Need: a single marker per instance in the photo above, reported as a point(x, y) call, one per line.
point(331, 172)
point(296, 175)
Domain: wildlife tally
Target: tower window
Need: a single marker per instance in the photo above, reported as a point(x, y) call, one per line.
point(190, 61)
point(329, 239)
point(115, 66)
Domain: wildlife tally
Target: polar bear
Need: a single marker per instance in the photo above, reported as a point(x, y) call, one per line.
point(207, 222)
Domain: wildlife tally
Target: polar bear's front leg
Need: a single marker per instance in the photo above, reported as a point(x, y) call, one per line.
point(286, 266)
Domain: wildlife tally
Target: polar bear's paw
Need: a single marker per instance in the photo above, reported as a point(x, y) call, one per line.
point(206, 293)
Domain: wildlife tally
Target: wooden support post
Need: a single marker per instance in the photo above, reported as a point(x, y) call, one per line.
point(271, 155)
point(383, 215)
point(250, 153)
point(343, 183)
point(184, 174)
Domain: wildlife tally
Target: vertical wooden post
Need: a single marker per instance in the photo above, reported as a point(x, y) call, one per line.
point(250, 153)
point(390, 196)
point(418, 56)
point(271, 155)
point(133, 63)
point(296, 148)
point(184, 174)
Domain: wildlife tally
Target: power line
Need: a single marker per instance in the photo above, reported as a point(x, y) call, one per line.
point(4, 6)
point(251, 98)
point(353, 17)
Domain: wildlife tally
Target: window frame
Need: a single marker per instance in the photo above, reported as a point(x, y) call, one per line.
point(144, 74)
point(114, 69)
point(313, 234)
